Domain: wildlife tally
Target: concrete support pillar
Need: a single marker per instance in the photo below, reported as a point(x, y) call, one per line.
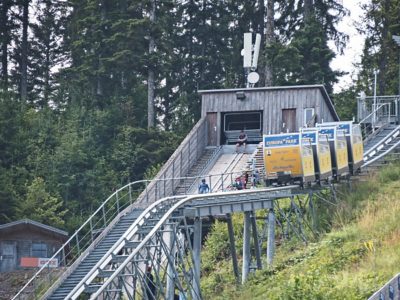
point(271, 237)
point(196, 259)
point(170, 289)
point(232, 246)
point(246, 247)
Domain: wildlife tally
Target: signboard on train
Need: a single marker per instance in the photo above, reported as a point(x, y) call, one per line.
point(282, 154)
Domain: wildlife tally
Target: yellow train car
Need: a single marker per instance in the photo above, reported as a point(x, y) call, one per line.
point(287, 159)
point(321, 153)
point(338, 149)
point(355, 146)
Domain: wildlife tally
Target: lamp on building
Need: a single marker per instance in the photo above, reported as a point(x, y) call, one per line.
point(240, 95)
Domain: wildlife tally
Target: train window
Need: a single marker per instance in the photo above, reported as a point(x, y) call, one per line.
point(239, 121)
point(308, 117)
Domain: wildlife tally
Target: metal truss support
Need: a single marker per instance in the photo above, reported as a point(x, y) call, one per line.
point(255, 237)
point(246, 247)
point(196, 258)
point(271, 237)
point(232, 247)
point(170, 290)
point(314, 224)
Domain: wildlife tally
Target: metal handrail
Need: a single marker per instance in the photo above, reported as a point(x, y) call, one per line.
point(205, 167)
point(163, 219)
point(373, 112)
point(385, 288)
point(391, 135)
point(75, 237)
point(383, 153)
point(79, 288)
point(367, 134)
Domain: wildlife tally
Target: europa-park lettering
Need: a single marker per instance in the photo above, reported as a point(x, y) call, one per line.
point(281, 142)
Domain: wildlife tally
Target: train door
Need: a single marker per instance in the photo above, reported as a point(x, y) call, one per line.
point(289, 120)
point(212, 131)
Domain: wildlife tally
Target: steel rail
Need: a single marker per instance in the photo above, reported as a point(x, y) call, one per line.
point(165, 218)
point(72, 239)
point(79, 288)
point(386, 140)
point(381, 155)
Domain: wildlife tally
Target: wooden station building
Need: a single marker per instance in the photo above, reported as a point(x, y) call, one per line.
point(264, 110)
point(26, 243)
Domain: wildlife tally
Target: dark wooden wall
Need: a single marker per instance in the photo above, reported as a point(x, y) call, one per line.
point(22, 240)
point(271, 101)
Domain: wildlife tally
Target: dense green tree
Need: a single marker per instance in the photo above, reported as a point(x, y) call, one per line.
point(40, 206)
point(306, 27)
point(381, 21)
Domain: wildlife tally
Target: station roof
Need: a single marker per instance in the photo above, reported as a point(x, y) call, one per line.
point(31, 223)
point(321, 87)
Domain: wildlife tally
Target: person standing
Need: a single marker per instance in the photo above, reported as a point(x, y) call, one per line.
point(203, 187)
point(150, 285)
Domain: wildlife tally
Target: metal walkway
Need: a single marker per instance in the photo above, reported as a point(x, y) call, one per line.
point(382, 143)
point(162, 239)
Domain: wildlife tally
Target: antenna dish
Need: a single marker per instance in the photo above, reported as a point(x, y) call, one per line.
point(253, 77)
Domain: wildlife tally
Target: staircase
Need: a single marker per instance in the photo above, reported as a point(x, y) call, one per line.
point(377, 147)
point(105, 262)
point(93, 257)
point(200, 168)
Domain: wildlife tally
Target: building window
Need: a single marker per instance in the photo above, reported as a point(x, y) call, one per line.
point(309, 117)
point(39, 250)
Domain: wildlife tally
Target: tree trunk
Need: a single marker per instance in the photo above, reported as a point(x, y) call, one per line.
point(383, 61)
point(269, 40)
point(5, 38)
point(308, 10)
point(150, 80)
point(260, 30)
point(24, 52)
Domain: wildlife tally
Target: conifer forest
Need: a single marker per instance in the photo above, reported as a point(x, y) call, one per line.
point(98, 93)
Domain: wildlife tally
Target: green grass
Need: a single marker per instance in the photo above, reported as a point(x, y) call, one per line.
point(357, 251)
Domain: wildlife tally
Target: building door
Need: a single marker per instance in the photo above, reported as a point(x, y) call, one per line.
point(289, 120)
point(8, 256)
point(212, 129)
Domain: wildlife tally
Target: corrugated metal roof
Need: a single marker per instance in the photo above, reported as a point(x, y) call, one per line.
point(33, 223)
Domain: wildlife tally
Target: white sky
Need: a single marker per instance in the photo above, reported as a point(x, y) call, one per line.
point(353, 50)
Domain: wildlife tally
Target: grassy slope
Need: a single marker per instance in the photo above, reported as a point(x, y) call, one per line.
point(359, 254)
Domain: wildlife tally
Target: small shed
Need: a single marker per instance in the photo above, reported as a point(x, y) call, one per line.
point(27, 243)
point(267, 110)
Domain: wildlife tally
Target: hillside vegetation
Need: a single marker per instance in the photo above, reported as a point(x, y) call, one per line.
point(355, 254)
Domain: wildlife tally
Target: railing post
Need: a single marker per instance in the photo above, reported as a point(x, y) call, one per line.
point(165, 184)
point(181, 161)
point(189, 155)
point(116, 195)
point(63, 256)
point(147, 191)
point(222, 182)
point(130, 194)
point(104, 216)
point(77, 244)
point(91, 229)
point(173, 177)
